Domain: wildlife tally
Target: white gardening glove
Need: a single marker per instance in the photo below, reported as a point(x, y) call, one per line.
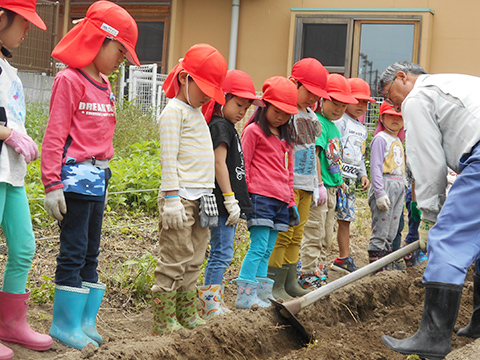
point(173, 214)
point(55, 204)
point(383, 203)
point(322, 194)
point(231, 204)
point(423, 229)
point(23, 144)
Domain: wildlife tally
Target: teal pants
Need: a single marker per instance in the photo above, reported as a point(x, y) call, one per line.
point(17, 227)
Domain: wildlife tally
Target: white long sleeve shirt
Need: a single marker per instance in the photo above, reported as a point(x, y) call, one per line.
point(442, 123)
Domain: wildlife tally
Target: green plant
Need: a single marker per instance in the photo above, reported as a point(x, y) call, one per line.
point(43, 293)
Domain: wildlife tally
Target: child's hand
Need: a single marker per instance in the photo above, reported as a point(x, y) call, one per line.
point(23, 144)
point(320, 197)
point(293, 216)
point(423, 229)
point(173, 214)
point(415, 213)
point(365, 183)
point(383, 203)
point(55, 204)
point(231, 204)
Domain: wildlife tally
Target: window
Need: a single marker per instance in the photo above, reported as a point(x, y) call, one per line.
point(150, 41)
point(357, 44)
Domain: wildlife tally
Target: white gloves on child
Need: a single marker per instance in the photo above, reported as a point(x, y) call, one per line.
point(231, 204)
point(320, 195)
point(55, 204)
point(23, 144)
point(173, 214)
point(383, 203)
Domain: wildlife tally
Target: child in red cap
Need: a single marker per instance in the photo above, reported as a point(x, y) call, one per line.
point(188, 178)
point(354, 142)
point(318, 232)
point(230, 190)
point(75, 153)
point(387, 171)
point(17, 149)
point(267, 145)
point(310, 78)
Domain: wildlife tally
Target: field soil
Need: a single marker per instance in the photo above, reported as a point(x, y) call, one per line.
point(347, 324)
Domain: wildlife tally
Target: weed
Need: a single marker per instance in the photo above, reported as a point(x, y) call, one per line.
point(43, 293)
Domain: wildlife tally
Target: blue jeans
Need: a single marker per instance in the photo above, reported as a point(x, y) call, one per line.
point(80, 233)
point(221, 251)
point(453, 242)
point(269, 212)
point(17, 227)
point(255, 263)
point(412, 224)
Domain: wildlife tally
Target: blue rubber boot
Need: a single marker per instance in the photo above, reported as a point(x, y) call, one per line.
point(68, 306)
point(264, 290)
point(89, 317)
point(247, 295)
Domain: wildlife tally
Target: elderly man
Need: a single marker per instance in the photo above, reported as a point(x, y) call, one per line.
point(442, 124)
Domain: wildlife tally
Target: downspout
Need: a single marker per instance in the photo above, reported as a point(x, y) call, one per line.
point(232, 56)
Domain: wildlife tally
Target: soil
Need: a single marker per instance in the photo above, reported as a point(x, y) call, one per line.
point(347, 324)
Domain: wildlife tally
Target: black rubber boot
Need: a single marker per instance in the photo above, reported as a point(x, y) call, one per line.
point(433, 339)
point(279, 275)
point(472, 330)
point(292, 287)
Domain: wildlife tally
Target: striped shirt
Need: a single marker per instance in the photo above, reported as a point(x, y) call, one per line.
point(187, 157)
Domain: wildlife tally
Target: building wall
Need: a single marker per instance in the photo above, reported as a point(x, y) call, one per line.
point(450, 38)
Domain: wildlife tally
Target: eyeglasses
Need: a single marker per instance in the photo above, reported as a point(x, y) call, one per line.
point(386, 98)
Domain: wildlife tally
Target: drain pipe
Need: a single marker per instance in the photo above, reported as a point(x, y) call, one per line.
point(232, 56)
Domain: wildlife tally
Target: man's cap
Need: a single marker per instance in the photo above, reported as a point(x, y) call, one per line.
point(339, 89)
point(80, 45)
point(387, 109)
point(25, 8)
point(282, 93)
point(360, 89)
point(207, 66)
point(312, 74)
point(240, 84)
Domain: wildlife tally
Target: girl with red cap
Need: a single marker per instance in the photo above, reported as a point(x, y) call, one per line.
point(188, 179)
point(17, 149)
point(354, 141)
point(267, 145)
point(318, 234)
point(230, 190)
point(387, 170)
point(75, 153)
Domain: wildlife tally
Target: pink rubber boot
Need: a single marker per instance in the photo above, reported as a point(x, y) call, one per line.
point(5, 353)
point(13, 323)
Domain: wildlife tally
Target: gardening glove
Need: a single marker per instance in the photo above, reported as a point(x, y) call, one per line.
point(173, 214)
point(55, 204)
point(293, 216)
point(322, 195)
point(231, 204)
point(414, 212)
point(423, 229)
point(383, 203)
point(23, 144)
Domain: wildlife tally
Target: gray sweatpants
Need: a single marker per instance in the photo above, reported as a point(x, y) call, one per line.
point(385, 223)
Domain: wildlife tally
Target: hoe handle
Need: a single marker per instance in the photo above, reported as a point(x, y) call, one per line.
point(347, 279)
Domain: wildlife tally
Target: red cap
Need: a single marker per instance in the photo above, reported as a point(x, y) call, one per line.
point(311, 73)
point(80, 46)
point(339, 89)
point(25, 8)
point(282, 93)
point(360, 89)
point(206, 65)
point(387, 109)
point(238, 83)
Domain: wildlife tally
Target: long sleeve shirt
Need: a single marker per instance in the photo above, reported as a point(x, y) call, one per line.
point(442, 123)
point(187, 157)
point(80, 126)
point(268, 165)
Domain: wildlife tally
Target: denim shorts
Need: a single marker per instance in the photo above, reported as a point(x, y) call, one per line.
point(269, 212)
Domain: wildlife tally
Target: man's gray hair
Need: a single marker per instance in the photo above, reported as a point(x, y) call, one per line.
point(390, 72)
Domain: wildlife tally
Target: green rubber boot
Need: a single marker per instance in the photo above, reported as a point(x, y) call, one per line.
point(187, 309)
point(279, 275)
point(164, 318)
